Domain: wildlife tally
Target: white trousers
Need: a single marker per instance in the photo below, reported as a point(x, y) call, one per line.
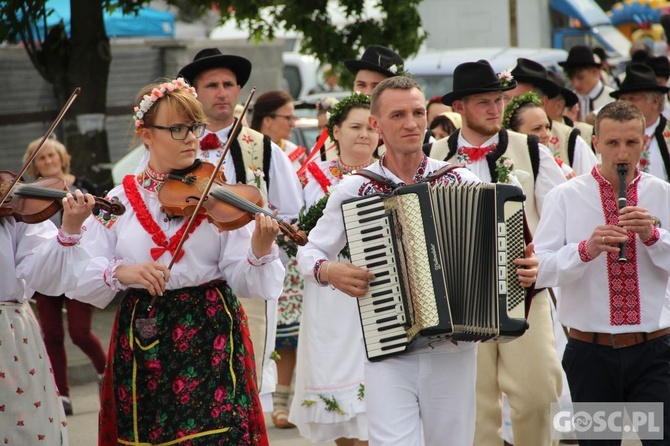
point(431, 390)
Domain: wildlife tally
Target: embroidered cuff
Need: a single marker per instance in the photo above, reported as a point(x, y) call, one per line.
point(274, 254)
point(584, 252)
point(108, 275)
point(655, 235)
point(317, 269)
point(66, 239)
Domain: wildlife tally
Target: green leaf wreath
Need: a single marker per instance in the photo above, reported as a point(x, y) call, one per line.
point(306, 222)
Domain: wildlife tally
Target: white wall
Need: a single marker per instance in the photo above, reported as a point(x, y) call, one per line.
point(484, 23)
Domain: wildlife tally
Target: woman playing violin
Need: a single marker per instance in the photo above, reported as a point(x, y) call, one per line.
point(184, 369)
point(53, 160)
point(35, 257)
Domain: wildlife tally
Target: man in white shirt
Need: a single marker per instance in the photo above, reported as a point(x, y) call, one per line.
point(641, 88)
point(583, 69)
point(428, 391)
point(618, 313)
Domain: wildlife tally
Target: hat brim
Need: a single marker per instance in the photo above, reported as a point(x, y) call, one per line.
point(570, 97)
point(450, 97)
point(354, 66)
point(549, 87)
point(566, 64)
point(637, 88)
point(238, 65)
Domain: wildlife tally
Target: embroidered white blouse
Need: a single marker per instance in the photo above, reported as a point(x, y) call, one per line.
point(208, 254)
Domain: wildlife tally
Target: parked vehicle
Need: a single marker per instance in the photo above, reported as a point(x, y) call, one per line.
point(434, 70)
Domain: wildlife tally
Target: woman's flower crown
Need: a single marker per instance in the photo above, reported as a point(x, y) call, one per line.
point(148, 100)
point(326, 103)
point(518, 102)
point(335, 116)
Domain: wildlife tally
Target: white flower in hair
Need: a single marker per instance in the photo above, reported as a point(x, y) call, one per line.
point(393, 69)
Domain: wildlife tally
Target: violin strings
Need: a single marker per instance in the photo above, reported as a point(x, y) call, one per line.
point(222, 194)
point(39, 192)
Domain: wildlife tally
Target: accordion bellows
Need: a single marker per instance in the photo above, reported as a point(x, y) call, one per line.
point(443, 258)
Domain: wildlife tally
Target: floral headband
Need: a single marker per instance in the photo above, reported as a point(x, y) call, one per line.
point(518, 102)
point(158, 92)
point(356, 99)
point(326, 103)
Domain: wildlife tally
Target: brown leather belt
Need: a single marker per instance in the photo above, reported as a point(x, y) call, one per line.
point(617, 340)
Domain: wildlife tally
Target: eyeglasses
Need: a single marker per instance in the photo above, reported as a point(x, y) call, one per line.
point(180, 132)
point(289, 118)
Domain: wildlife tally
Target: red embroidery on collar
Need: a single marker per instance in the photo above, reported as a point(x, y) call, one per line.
point(623, 278)
point(319, 176)
point(149, 225)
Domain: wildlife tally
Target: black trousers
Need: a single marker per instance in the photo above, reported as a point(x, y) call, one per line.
point(636, 374)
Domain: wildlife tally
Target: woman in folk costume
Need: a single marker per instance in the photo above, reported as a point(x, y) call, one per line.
point(35, 257)
point(524, 114)
point(181, 372)
point(328, 404)
point(274, 116)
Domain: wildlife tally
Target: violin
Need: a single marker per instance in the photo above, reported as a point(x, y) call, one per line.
point(37, 201)
point(232, 206)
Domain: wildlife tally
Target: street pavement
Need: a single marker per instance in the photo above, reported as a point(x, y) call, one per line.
point(83, 425)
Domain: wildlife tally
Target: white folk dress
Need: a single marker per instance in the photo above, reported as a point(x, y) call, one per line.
point(30, 410)
point(328, 397)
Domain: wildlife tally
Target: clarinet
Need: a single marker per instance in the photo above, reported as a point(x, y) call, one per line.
point(622, 170)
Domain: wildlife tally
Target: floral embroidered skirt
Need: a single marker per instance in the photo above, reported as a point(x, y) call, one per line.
point(192, 383)
point(290, 307)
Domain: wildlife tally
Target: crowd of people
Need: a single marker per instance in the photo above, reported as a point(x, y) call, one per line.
point(223, 321)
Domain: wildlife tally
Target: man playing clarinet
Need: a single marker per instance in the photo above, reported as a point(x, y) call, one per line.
point(612, 263)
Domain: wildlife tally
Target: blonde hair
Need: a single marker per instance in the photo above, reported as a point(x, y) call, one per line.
point(50, 142)
point(179, 100)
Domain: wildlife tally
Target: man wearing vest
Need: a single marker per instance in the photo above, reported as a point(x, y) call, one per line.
point(252, 159)
point(661, 67)
point(566, 142)
point(566, 98)
point(526, 369)
point(641, 89)
point(583, 69)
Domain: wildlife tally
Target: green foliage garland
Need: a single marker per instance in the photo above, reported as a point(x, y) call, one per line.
point(306, 222)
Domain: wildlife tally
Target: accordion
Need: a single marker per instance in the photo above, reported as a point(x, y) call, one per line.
point(443, 259)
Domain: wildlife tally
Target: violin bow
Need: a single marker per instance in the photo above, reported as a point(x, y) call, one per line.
point(233, 134)
point(60, 116)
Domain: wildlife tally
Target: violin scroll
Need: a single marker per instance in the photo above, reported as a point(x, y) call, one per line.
point(108, 207)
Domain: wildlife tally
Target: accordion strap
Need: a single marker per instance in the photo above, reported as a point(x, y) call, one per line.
point(390, 184)
point(370, 175)
point(439, 173)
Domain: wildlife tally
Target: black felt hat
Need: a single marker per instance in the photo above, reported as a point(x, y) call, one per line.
point(212, 58)
point(581, 56)
point(530, 72)
point(377, 58)
point(639, 77)
point(660, 65)
point(474, 78)
point(569, 95)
